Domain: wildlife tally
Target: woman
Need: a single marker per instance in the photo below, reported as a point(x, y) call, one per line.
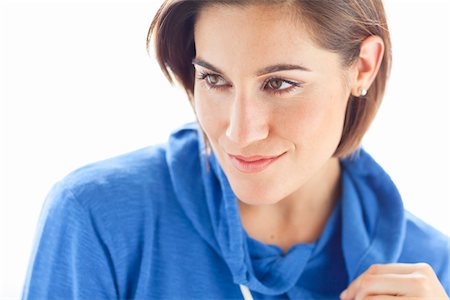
point(268, 196)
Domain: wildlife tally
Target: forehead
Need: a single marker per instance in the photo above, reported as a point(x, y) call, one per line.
point(258, 35)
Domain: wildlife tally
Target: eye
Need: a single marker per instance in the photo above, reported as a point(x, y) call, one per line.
point(213, 80)
point(278, 85)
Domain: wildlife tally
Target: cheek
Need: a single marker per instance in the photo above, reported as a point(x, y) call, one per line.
point(331, 120)
point(210, 112)
point(314, 122)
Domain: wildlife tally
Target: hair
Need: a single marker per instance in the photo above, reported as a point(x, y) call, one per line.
point(339, 26)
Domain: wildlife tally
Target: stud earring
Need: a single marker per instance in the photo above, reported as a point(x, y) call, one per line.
point(363, 92)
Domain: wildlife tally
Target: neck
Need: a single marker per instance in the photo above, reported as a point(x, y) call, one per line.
point(298, 218)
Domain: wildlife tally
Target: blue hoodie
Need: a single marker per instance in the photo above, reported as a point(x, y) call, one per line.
point(156, 224)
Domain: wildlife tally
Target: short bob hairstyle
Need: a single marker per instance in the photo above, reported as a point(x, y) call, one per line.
point(339, 26)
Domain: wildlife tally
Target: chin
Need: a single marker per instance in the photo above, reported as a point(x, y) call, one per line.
point(257, 202)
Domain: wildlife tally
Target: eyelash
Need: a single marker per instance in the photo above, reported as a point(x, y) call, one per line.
point(204, 76)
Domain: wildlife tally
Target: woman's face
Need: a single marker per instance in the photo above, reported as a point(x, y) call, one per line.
point(270, 101)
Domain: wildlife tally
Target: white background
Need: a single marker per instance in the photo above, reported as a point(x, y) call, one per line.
point(78, 86)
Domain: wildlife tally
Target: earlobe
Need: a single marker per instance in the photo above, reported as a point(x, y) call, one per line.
point(368, 64)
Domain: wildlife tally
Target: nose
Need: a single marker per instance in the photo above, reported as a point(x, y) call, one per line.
point(248, 122)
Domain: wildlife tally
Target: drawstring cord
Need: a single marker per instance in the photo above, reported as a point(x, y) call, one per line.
point(246, 292)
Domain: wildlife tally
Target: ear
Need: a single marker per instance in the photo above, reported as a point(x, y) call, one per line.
point(368, 64)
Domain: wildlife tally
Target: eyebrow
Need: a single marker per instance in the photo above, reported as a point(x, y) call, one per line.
point(263, 71)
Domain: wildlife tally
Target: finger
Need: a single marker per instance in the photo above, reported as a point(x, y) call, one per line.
point(382, 297)
point(380, 269)
point(399, 268)
point(382, 284)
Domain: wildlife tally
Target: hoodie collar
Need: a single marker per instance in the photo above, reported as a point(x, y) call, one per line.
point(373, 228)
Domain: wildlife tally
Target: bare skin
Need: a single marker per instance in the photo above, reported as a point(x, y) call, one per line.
point(396, 281)
point(284, 227)
point(264, 89)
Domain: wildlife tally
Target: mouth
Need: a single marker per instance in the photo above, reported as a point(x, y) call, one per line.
point(253, 164)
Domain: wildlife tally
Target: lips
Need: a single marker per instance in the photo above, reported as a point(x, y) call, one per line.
point(252, 164)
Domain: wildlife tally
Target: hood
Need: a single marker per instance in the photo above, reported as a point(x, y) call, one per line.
point(372, 224)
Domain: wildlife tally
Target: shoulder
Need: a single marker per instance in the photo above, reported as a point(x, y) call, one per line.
point(94, 215)
point(423, 239)
point(112, 195)
point(116, 177)
point(139, 180)
point(98, 222)
point(424, 243)
point(141, 173)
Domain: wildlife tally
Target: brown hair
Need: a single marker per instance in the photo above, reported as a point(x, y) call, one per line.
point(339, 26)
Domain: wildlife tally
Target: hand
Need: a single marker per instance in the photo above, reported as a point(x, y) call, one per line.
point(393, 281)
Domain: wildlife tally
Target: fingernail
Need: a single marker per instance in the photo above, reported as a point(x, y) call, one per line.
point(343, 295)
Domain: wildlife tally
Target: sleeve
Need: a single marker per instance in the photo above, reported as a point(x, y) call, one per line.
point(444, 272)
point(70, 259)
